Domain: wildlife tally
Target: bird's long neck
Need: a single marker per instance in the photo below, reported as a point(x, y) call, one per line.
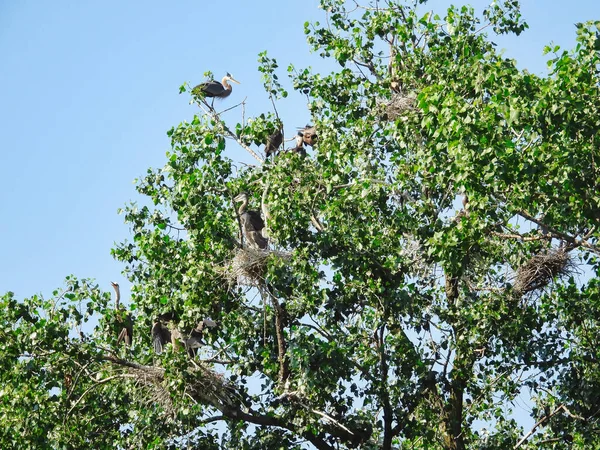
point(243, 206)
point(225, 84)
point(118, 299)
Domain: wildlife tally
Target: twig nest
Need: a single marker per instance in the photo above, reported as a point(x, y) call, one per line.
point(541, 269)
point(398, 105)
point(207, 386)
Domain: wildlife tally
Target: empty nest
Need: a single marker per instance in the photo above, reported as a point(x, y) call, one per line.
point(541, 269)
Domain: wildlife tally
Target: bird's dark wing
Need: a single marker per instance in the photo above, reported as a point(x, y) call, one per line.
point(209, 89)
point(273, 143)
point(257, 239)
point(253, 221)
point(160, 336)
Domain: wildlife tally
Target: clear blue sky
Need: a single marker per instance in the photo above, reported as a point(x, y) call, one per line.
point(88, 90)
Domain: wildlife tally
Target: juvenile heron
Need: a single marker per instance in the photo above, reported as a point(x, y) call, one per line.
point(194, 342)
point(309, 135)
point(299, 148)
point(252, 223)
point(165, 331)
point(273, 143)
point(124, 321)
point(213, 88)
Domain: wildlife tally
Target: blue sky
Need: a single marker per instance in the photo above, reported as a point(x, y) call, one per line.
point(89, 89)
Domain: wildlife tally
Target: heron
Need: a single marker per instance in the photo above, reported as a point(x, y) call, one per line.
point(273, 143)
point(165, 331)
point(124, 321)
point(252, 223)
point(214, 89)
point(299, 148)
point(309, 135)
point(194, 341)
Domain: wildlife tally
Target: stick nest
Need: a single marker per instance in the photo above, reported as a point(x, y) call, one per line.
point(398, 105)
point(541, 269)
point(206, 387)
point(249, 265)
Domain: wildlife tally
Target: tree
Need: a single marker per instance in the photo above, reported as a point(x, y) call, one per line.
point(420, 274)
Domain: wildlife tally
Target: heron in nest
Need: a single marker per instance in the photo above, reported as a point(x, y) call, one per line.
point(124, 320)
point(252, 223)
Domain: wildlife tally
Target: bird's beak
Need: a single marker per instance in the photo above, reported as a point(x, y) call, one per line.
point(235, 81)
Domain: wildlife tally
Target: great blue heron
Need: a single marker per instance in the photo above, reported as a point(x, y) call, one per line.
point(213, 88)
point(309, 135)
point(194, 341)
point(299, 148)
point(273, 142)
point(252, 223)
point(165, 331)
point(124, 321)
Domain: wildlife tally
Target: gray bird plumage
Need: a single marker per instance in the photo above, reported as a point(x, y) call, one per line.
point(213, 88)
point(273, 143)
point(160, 336)
point(309, 135)
point(124, 321)
point(252, 223)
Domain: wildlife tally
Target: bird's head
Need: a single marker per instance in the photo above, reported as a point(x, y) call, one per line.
point(241, 197)
point(228, 77)
point(115, 286)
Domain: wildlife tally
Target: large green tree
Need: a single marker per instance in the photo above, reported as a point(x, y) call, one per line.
point(431, 261)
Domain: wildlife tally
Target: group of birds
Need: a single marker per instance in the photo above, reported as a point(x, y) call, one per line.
point(215, 89)
point(164, 329)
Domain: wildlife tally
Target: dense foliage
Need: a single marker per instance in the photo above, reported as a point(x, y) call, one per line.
point(433, 262)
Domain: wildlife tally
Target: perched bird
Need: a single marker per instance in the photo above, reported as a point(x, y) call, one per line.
point(160, 336)
point(252, 223)
point(309, 135)
point(299, 148)
point(213, 88)
point(273, 143)
point(124, 321)
point(164, 331)
point(194, 341)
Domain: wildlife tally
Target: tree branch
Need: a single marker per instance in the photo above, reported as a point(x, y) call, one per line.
point(540, 422)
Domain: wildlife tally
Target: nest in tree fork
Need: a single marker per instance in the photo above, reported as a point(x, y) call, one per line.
point(541, 269)
point(249, 265)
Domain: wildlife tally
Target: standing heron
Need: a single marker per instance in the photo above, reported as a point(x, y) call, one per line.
point(252, 223)
point(124, 321)
point(214, 89)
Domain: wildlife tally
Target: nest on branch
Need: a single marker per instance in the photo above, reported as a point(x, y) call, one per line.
point(541, 269)
point(249, 265)
point(397, 106)
point(206, 387)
